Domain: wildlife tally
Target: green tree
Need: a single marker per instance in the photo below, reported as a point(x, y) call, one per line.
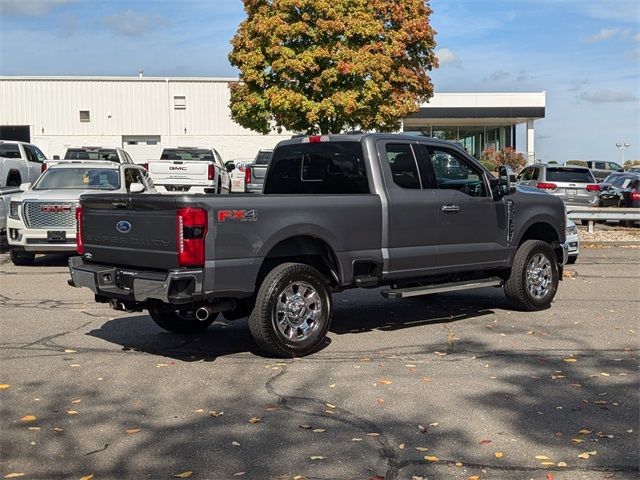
point(322, 66)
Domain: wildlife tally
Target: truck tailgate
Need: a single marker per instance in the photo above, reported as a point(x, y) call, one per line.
point(137, 230)
point(179, 172)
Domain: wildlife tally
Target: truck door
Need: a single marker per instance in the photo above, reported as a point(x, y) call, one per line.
point(412, 211)
point(471, 226)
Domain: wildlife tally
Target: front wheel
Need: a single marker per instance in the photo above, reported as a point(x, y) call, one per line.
point(292, 312)
point(20, 257)
point(534, 277)
point(179, 321)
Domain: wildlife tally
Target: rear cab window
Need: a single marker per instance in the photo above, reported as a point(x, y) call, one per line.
point(322, 168)
point(9, 150)
point(103, 154)
point(188, 154)
point(573, 175)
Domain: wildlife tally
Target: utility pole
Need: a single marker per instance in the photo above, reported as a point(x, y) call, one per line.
point(622, 147)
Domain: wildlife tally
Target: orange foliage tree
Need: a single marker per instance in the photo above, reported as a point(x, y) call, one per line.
point(323, 66)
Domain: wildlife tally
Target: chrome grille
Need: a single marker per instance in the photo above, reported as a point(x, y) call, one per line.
point(46, 215)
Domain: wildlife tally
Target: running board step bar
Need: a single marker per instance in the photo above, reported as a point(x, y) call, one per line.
point(442, 287)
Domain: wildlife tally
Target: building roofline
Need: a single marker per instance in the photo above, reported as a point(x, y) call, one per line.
point(120, 79)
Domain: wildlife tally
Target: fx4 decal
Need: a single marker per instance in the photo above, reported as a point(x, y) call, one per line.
point(237, 216)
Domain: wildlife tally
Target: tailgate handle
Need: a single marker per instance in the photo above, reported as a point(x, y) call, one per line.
point(450, 208)
point(177, 162)
point(120, 204)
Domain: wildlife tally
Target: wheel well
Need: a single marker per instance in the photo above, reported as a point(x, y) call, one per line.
point(14, 174)
point(303, 249)
point(540, 231)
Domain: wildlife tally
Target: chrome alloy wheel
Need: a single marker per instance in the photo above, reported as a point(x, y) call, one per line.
point(297, 311)
point(539, 276)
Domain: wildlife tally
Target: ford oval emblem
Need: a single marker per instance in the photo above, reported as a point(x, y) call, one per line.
point(123, 226)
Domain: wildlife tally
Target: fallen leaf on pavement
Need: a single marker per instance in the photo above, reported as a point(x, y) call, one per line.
point(431, 458)
point(584, 432)
point(319, 430)
point(570, 360)
point(576, 441)
point(58, 429)
point(542, 457)
point(550, 476)
point(586, 455)
point(380, 401)
point(401, 446)
point(4, 386)
point(548, 464)
point(385, 381)
point(305, 426)
point(562, 464)
point(131, 431)
point(68, 350)
point(422, 429)
point(421, 449)
point(484, 442)
point(213, 413)
point(87, 477)
point(255, 420)
point(35, 429)
point(317, 457)
point(330, 405)
point(373, 434)
point(72, 412)
point(186, 474)
point(473, 477)
point(238, 474)
point(235, 444)
point(499, 454)
point(458, 464)
point(356, 439)
point(76, 401)
point(434, 424)
point(28, 418)
point(199, 410)
point(14, 475)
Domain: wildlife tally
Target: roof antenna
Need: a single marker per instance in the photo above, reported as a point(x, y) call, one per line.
point(140, 73)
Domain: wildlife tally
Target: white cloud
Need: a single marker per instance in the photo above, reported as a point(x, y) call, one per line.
point(131, 23)
point(604, 34)
point(446, 56)
point(608, 96)
point(30, 7)
point(498, 75)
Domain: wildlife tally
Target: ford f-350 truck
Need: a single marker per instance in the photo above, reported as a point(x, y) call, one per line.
point(410, 213)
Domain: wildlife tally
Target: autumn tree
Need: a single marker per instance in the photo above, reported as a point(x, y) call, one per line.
point(323, 66)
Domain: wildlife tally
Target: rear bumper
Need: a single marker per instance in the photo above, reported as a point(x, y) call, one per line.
point(174, 286)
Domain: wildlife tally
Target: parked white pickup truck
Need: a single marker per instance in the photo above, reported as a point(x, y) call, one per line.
point(20, 162)
point(42, 219)
point(190, 169)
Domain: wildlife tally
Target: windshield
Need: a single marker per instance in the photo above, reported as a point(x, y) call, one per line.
point(187, 154)
point(79, 178)
point(108, 154)
point(575, 175)
point(263, 158)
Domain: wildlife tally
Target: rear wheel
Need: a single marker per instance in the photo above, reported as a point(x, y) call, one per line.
point(180, 321)
point(292, 312)
point(534, 277)
point(20, 257)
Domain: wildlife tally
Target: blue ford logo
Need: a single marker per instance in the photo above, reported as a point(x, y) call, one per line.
point(123, 226)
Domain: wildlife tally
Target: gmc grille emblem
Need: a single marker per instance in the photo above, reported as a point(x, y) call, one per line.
point(55, 208)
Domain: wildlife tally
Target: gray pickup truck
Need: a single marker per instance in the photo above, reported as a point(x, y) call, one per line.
point(412, 214)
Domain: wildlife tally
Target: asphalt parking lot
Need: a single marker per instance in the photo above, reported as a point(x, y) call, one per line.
point(449, 386)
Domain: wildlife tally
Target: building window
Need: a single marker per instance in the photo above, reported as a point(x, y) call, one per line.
point(180, 102)
point(85, 116)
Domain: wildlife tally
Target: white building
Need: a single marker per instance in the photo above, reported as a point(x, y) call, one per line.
point(143, 115)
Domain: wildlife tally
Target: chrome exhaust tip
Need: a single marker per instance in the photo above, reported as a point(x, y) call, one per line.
point(203, 313)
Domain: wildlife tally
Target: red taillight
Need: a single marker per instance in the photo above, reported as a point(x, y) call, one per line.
point(145, 166)
point(212, 171)
point(247, 175)
point(546, 186)
point(43, 167)
point(191, 230)
point(635, 196)
point(79, 241)
point(593, 188)
point(315, 139)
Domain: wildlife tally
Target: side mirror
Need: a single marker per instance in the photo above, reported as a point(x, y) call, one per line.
point(230, 166)
point(56, 157)
point(506, 180)
point(136, 188)
point(25, 186)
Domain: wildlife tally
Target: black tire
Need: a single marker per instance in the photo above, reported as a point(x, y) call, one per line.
point(291, 334)
point(518, 288)
point(22, 258)
point(180, 322)
point(572, 259)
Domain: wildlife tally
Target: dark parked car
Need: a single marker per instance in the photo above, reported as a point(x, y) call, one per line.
point(621, 190)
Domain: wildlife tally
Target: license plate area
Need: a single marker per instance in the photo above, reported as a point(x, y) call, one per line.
point(56, 236)
point(571, 191)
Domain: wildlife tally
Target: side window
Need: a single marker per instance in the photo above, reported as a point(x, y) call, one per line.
point(524, 175)
point(9, 150)
point(218, 158)
point(41, 156)
point(455, 173)
point(535, 174)
point(31, 155)
point(614, 166)
point(147, 179)
point(132, 175)
point(403, 165)
point(600, 165)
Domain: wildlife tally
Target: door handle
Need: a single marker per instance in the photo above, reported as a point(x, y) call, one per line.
point(450, 208)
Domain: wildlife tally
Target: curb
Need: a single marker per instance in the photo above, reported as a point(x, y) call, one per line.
point(597, 244)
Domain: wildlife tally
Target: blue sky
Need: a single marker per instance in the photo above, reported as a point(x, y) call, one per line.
point(584, 53)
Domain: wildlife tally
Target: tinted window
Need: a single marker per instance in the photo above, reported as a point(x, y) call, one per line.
point(524, 175)
point(263, 158)
point(132, 175)
point(454, 172)
point(535, 174)
point(187, 154)
point(600, 165)
point(575, 175)
point(9, 150)
point(31, 155)
point(38, 153)
point(404, 168)
point(79, 178)
point(317, 168)
point(105, 154)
